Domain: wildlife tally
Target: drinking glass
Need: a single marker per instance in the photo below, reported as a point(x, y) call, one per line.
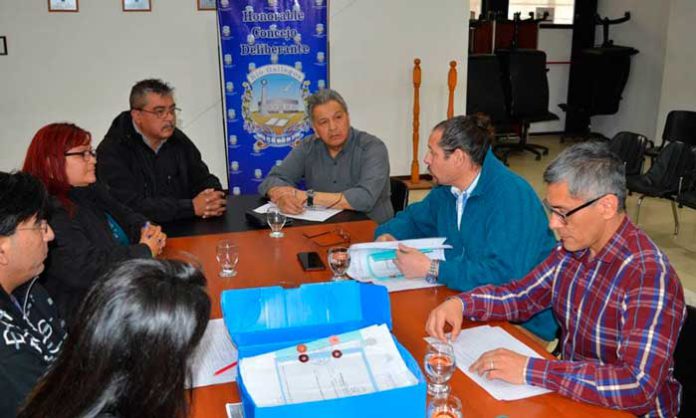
point(439, 367)
point(339, 261)
point(227, 254)
point(446, 406)
point(276, 220)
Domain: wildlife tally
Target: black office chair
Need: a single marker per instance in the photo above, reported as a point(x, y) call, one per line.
point(684, 360)
point(679, 126)
point(399, 194)
point(687, 189)
point(526, 89)
point(630, 147)
point(662, 180)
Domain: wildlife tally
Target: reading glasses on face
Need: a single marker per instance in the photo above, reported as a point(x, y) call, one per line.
point(564, 216)
point(162, 113)
point(86, 154)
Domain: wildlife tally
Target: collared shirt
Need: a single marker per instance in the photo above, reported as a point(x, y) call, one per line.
point(146, 140)
point(462, 197)
point(620, 314)
point(360, 171)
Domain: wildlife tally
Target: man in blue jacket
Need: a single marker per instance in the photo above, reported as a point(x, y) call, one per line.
point(490, 216)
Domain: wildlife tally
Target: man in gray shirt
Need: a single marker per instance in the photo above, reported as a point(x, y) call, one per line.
point(342, 167)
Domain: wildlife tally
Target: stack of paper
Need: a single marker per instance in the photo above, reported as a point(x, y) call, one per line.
point(314, 214)
point(374, 262)
point(214, 360)
point(355, 363)
point(473, 342)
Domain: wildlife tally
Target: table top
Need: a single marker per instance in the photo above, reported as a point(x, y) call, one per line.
point(265, 261)
point(236, 220)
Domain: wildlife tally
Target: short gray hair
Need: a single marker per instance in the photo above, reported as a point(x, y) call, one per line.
point(324, 96)
point(591, 170)
point(142, 88)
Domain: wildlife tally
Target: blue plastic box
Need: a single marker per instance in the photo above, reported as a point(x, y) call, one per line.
point(265, 319)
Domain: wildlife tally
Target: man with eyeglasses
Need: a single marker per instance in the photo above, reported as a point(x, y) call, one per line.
point(618, 300)
point(151, 165)
point(31, 334)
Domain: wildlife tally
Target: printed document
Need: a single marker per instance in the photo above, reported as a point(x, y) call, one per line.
point(215, 354)
point(374, 262)
point(314, 214)
point(473, 342)
point(355, 363)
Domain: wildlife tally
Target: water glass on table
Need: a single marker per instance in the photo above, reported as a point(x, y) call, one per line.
point(439, 367)
point(445, 406)
point(276, 220)
point(227, 254)
point(339, 261)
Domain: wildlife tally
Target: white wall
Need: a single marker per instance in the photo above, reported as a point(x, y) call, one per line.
point(647, 32)
point(679, 79)
point(79, 67)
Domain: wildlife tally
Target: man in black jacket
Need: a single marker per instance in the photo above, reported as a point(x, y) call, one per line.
point(31, 334)
point(152, 166)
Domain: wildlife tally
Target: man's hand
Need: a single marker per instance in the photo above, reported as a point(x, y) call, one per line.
point(209, 203)
point(448, 312)
point(385, 237)
point(411, 262)
point(292, 203)
point(501, 364)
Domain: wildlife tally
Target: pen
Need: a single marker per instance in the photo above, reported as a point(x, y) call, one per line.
point(224, 369)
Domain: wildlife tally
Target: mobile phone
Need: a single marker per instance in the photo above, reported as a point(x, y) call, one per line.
point(311, 261)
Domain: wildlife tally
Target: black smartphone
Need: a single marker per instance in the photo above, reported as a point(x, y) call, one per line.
point(311, 261)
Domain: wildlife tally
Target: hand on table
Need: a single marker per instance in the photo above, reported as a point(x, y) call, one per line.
point(209, 203)
point(501, 364)
point(152, 236)
point(411, 262)
point(385, 237)
point(292, 203)
point(448, 312)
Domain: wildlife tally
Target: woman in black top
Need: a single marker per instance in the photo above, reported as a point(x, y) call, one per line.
point(92, 229)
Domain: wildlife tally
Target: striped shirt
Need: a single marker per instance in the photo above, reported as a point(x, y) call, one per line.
point(620, 314)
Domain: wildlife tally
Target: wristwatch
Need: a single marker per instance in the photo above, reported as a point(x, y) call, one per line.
point(310, 198)
point(433, 270)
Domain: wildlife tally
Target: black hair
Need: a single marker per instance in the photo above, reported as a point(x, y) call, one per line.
point(128, 351)
point(142, 88)
point(472, 134)
point(22, 196)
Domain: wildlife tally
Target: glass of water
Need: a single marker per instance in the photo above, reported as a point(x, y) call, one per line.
point(446, 406)
point(227, 254)
point(339, 261)
point(276, 220)
point(439, 367)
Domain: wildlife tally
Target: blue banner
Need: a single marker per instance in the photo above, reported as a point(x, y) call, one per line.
point(274, 55)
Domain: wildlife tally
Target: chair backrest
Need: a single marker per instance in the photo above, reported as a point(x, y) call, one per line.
point(680, 126)
point(684, 360)
point(673, 162)
point(399, 194)
point(630, 147)
point(527, 86)
point(484, 89)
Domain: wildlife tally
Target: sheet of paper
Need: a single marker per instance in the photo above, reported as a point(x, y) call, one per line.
point(234, 410)
point(473, 342)
point(354, 363)
point(314, 214)
point(214, 353)
point(374, 261)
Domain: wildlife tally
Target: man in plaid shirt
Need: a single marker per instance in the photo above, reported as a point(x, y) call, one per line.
point(618, 301)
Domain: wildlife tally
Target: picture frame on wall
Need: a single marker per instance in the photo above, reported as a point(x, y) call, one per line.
point(207, 4)
point(63, 6)
point(136, 5)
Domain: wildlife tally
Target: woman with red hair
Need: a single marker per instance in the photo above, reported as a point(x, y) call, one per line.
point(92, 229)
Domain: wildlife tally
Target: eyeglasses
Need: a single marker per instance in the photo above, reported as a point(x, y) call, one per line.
point(86, 154)
point(161, 113)
point(330, 238)
point(42, 226)
point(564, 216)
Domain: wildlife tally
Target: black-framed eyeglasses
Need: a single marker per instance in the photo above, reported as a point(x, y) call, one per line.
point(42, 226)
point(564, 216)
point(86, 154)
point(161, 113)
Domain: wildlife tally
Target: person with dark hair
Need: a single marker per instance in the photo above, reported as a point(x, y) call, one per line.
point(92, 229)
point(491, 217)
point(31, 331)
point(152, 166)
point(341, 166)
point(128, 355)
point(618, 300)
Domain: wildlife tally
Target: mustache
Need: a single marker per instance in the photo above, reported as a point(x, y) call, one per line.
point(168, 126)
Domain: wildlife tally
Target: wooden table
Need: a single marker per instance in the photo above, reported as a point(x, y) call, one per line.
point(265, 261)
